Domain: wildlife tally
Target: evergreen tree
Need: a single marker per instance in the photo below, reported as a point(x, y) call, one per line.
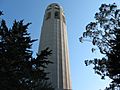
point(19, 70)
point(104, 33)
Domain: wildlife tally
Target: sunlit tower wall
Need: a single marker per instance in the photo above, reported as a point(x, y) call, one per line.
point(54, 36)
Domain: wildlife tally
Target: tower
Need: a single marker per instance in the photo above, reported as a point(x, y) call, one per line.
point(54, 36)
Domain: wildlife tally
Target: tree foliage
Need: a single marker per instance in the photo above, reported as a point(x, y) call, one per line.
point(19, 70)
point(104, 33)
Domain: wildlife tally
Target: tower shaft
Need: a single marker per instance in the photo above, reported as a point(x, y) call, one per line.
point(54, 36)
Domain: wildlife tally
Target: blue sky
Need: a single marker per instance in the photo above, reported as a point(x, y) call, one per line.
point(78, 14)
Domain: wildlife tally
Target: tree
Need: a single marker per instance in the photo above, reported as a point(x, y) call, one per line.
point(19, 70)
point(104, 33)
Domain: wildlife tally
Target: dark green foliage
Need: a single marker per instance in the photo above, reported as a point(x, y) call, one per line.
point(105, 34)
point(18, 69)
point(1, 13)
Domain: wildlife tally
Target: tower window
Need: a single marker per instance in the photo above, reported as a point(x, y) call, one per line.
point(57, 7)
point(48, 8)
point(57, 15)
point(48, 15)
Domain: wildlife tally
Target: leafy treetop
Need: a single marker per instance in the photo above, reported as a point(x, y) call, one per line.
point(19, 70)
point(104, 33)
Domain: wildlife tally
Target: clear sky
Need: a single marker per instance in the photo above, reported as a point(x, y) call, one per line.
point(78, 14)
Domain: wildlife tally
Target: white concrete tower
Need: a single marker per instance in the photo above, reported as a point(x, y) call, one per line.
point(54, 36)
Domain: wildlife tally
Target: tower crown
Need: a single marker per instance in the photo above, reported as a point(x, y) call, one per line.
point(54, 11)
point(54, 6)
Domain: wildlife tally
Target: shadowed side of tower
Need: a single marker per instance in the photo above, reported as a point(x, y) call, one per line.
point(54, 36)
